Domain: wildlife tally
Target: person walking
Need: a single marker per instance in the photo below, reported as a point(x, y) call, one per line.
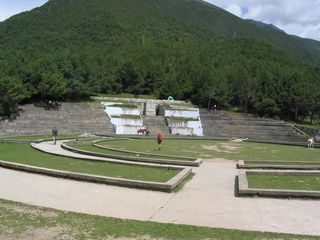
point(54, 135)
point(159, 139)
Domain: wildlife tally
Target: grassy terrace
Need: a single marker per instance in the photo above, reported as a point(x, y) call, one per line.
point(25, 154)
point(127, 116)
point(125, 95)
point(182, 119)
point(285, 182)
point(219, 149)
point(87, 146)
point(132, 106)
point(20, 221)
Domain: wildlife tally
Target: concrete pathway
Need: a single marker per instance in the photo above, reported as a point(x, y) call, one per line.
point(49, 147)
point(207, 200)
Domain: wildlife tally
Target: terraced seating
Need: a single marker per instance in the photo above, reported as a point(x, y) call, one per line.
point(69, 118)
point(237, 125)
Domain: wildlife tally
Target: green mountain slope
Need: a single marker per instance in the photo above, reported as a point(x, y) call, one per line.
point(186, 48)
point(79, 22)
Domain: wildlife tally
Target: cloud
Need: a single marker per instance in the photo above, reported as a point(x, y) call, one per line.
point(296, 17)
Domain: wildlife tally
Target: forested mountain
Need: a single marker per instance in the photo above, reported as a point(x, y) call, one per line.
point(68, 49)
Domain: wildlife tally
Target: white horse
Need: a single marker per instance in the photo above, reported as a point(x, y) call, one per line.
point(310, 142)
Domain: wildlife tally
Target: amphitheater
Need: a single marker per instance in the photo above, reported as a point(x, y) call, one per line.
point(209, 199)
point(80, 118)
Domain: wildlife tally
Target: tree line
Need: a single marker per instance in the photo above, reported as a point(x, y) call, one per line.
point(251, 75)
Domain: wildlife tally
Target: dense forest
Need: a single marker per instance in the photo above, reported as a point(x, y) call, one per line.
point(71, 49)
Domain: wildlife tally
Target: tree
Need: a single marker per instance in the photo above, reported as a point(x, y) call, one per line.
point(266, 108)
point(12, 91)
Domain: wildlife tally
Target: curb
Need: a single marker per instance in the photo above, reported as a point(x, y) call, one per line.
point(245, 191)
point(134, 159)
point(164, 187)
point(241, 165)
point(142, 153)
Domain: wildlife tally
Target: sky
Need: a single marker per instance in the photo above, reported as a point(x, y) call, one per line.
point(298, 17)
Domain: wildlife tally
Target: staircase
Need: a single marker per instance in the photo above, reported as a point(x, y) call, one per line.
point(69, 118)
point(156, 123)
point(223, 124)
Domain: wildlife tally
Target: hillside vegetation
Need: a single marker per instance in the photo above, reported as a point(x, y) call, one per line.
point(70, 49)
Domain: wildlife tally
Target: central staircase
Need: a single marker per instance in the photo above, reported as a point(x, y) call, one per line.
point(156, 123)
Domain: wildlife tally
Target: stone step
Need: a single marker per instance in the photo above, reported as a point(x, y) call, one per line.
point(226, 124)
point(156, 123)
point(69, 118)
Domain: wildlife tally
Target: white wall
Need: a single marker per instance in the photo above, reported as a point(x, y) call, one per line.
point(123, 125)
point(182, 113)
point(120, 129)
point(186, 127)
point(198, 131)
point(122, 111)
point(127, 121)
point(181, 131)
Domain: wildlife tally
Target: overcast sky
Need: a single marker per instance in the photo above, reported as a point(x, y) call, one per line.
point(298, 17)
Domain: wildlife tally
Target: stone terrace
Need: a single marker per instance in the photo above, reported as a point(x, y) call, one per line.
point(223, 124)
point(69, 118)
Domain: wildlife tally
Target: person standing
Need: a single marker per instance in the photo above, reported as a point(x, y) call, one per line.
point(54, 135)
point(159, 139)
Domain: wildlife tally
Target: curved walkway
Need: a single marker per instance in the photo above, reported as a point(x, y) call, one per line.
point(207, 200)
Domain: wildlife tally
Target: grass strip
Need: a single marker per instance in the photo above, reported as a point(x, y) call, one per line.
point(91, 148)
point(127, 116)
point(284, 182)
point(124, 106)
point(37, 137)
point(182, 119)
point(156, 154)
point(282, 163)
point(21, 220)
point(25, 154)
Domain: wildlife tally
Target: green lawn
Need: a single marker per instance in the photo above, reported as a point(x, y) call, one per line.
point(25, 154)
point(21, 221)
point(219, 149)
point(37, 137)
point(282, 181)
point(87, 146)
point(282, 163)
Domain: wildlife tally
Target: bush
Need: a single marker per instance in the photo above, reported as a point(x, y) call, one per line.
point(266, 108)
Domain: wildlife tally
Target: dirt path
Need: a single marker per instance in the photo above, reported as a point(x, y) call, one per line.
point(207, 200)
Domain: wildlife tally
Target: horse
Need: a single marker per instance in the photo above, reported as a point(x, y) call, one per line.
point(310, 142)
point(143, 131)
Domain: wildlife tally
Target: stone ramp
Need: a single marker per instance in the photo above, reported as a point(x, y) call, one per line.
point(69, 118)
point(222, 124)
point(156, 123)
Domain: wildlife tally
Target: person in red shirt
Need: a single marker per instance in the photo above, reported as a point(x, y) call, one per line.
point(159, 139)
